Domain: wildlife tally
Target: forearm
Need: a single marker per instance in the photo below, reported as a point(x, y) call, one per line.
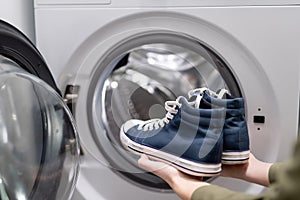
point(259, 174)
point(255, 171)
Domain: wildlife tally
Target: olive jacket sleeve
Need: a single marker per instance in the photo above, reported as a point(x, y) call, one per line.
point(284, 184)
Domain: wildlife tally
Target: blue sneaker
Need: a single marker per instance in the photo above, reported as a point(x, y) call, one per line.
point(189, 138)
point(236, 139)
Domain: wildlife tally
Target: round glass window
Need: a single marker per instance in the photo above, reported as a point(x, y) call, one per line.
point(38, 141)
point(134, 80)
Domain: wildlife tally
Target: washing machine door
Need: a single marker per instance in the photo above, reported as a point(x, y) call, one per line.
point(38, 139)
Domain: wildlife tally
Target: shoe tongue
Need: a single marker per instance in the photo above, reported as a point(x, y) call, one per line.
point(181, 99)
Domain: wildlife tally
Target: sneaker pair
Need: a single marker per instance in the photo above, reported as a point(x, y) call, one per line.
point(196, 135)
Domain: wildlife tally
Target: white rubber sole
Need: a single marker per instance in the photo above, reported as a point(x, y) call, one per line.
point(186, 166)
point(234, 158)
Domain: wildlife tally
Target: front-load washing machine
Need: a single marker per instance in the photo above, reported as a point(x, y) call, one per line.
point(39, 149)
point(116, 60)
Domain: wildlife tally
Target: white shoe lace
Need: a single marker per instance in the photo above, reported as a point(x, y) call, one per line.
point(171, 108)
point(200, 92)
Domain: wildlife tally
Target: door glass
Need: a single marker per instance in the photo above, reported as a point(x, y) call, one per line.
point(135, 80)
point(38, 140)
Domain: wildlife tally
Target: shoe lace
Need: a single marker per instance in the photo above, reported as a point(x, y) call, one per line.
point(200, 91)
point(171, 108)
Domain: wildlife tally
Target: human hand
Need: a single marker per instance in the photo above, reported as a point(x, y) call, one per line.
point(184, 185)
point(254, 171)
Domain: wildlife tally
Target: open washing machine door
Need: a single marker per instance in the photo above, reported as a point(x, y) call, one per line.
point(38, 140)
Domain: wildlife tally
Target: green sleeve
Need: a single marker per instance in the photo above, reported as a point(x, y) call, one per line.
point(275, 169)
point(213, 192)
point(284, 184)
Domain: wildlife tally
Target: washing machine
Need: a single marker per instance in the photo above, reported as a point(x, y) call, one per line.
point(39, 149)
point(116, 60)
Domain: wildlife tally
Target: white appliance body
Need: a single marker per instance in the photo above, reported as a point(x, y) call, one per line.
point(20, 14)
point(258, 41)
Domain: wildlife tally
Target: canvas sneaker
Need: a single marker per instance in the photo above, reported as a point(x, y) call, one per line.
point(188, 137)
point(236, 139)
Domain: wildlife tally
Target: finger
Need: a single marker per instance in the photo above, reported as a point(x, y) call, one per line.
point(151, 165)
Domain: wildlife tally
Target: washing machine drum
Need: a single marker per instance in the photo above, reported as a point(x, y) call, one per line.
point(38, 140)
